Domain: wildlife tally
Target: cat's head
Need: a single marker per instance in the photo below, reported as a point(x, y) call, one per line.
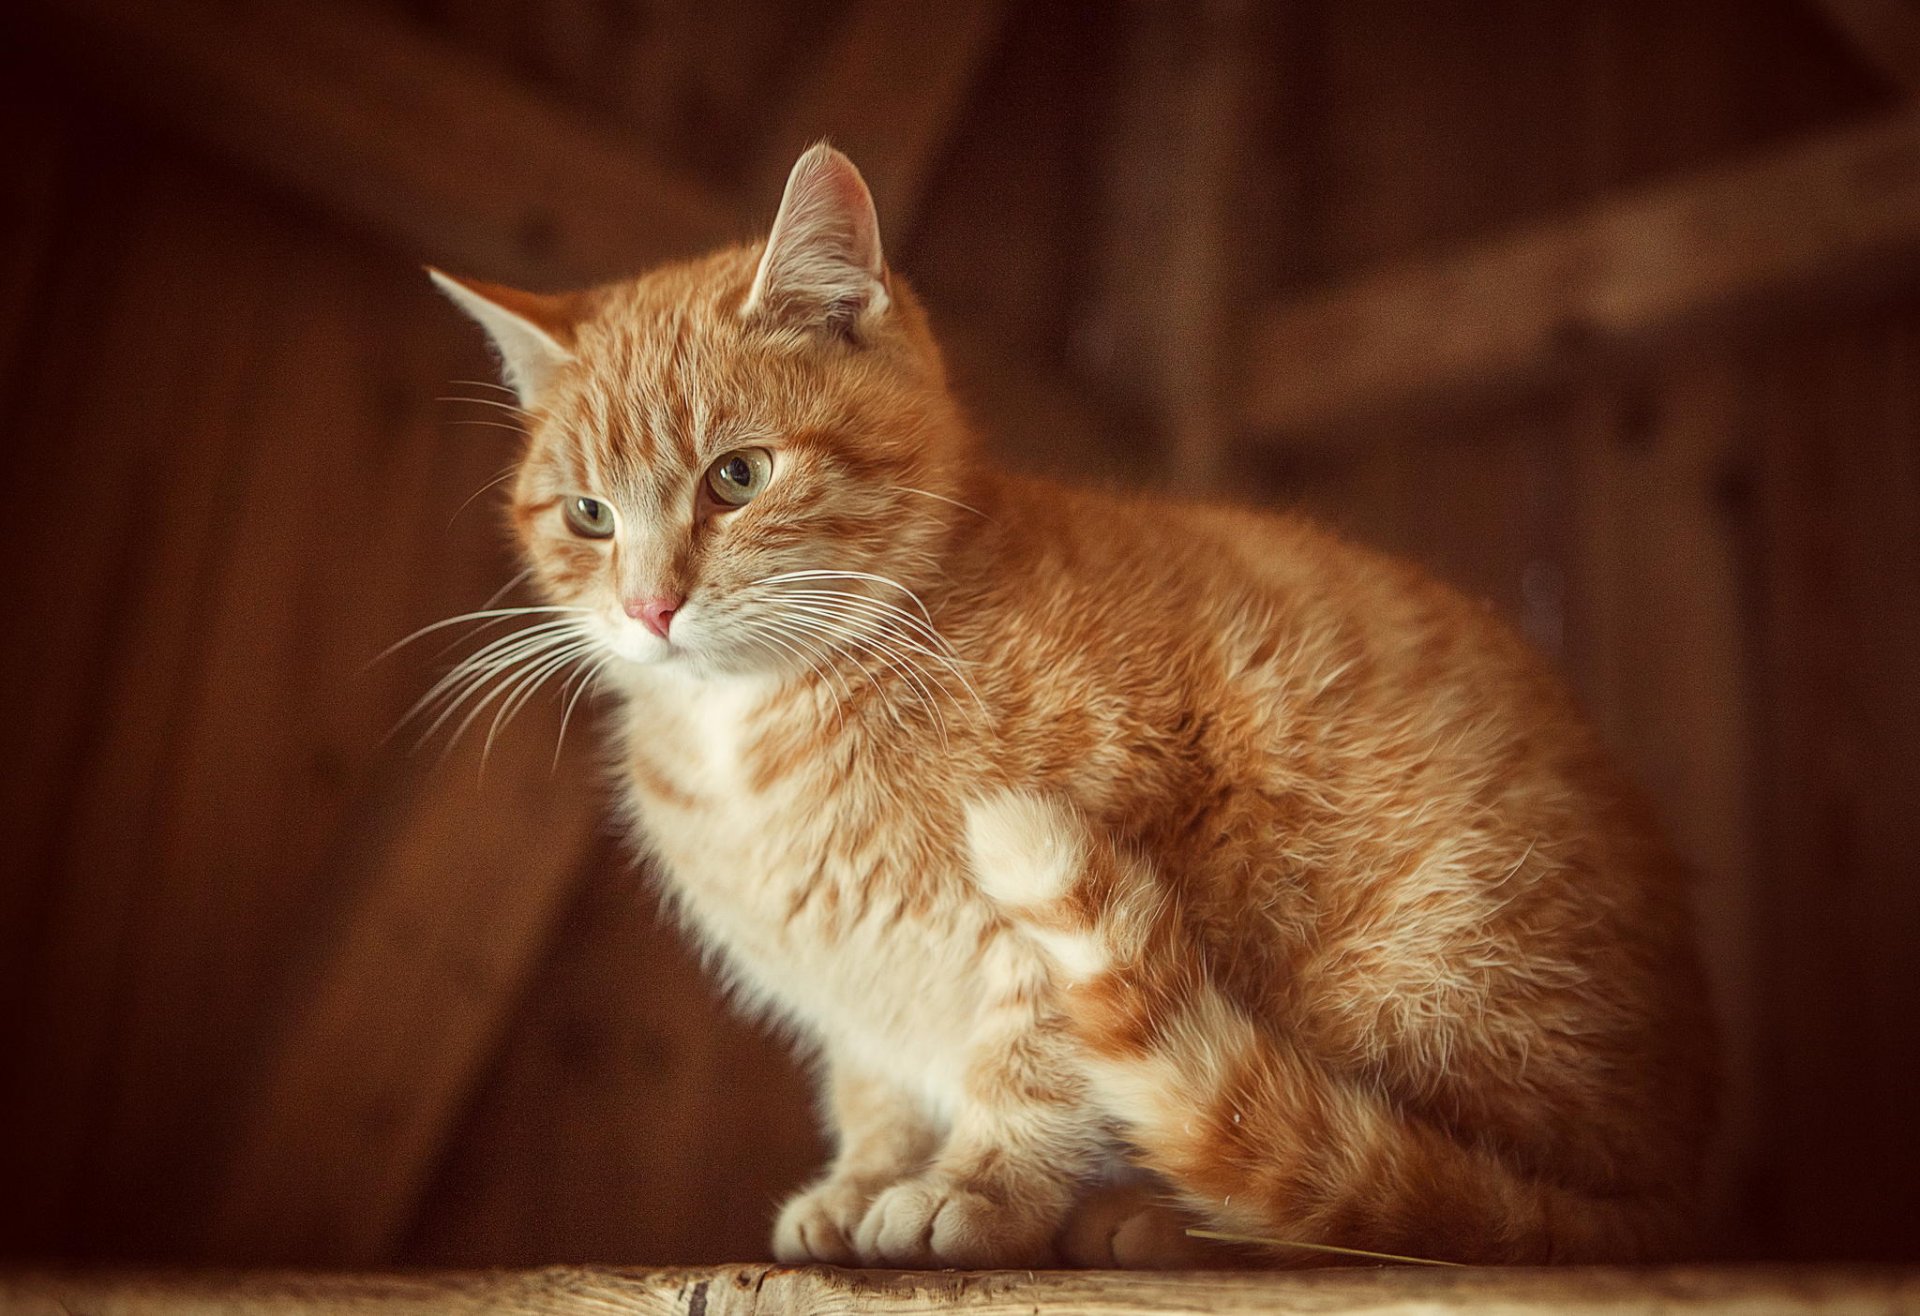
point(739, 461)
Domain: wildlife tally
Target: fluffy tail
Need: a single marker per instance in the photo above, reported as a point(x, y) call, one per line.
point(1255, 1135)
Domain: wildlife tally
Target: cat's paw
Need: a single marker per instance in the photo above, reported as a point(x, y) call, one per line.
point(1128, 1228)
point(931, 1221)
point(1025, 850)
point(818, 1224)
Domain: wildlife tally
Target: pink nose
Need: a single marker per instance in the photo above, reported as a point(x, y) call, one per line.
point(656, 613)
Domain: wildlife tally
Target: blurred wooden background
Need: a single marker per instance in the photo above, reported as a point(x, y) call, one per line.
point(1608, 310)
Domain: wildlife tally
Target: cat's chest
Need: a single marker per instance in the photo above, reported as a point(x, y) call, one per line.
point(827, 894)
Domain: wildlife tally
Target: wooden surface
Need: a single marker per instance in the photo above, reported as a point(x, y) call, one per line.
point(759, 1290)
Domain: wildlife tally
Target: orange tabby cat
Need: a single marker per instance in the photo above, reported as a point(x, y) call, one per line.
point(1127, 864)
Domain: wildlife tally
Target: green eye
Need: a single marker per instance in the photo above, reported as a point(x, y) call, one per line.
point(589, 518)
point(736, 478)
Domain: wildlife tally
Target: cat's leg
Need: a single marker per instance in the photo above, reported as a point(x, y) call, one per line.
point(1254, 1133)
point(883, 1137)
point(1021, 1143)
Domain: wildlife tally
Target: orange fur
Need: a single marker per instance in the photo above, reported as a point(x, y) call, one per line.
point(1172, 844)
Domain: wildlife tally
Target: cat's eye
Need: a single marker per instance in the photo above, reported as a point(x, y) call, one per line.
point(736, 478)
point(589, 518)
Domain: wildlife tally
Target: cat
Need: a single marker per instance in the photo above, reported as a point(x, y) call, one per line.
point(1125, 865)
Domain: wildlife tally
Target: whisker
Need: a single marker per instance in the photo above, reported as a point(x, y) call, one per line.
point(848, 575)
point(495, 482)
point(937, 643)
point(476, 667)
point(965, 507)
point(528, 686)
point(490, 685)
point(486, 402)
point(484, 613)
point(860, 607)
point(827, 627)
point(811, 657)
point(580, 682)
point(507, 588)
point(493, 425)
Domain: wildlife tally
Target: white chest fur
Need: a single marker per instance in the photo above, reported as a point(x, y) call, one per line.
point(827, 894)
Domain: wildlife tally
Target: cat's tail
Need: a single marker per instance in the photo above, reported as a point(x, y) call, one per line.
point(1257, 1137)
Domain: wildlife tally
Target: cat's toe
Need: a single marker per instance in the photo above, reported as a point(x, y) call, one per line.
point(818, 1225)
point(1025, 850)
point(1129, 1228)
point(930, 1222)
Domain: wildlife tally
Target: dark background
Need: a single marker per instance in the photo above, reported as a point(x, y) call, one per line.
point(1605, 310)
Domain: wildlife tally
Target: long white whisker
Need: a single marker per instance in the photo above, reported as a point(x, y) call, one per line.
point(494, 483)
point(492, 425)
point(942, 498)
point(811, 657)
point(888, 581)
point(529, 685)
point(826, 626)
point(581, 681)
point(895, 615)
point(492, 683)
point(858, 608)
point(482, 615)
point(497, 656)
point(487, 383)
point(491, 402)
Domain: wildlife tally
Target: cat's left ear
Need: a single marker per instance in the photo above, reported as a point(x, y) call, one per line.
point(823, 267)
point(533, 332)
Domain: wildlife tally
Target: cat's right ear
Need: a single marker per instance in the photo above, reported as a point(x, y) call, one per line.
point(822, 267)
point(531, 331)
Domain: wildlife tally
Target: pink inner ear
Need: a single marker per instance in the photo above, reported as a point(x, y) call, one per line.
point(823, 258)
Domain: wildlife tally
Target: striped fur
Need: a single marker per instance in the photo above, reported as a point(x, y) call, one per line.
point(1123, 863)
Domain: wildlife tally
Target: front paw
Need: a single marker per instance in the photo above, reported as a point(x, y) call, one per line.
point(933, 1221)
point(818, 1224)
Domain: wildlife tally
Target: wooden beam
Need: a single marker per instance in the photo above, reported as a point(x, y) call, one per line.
point(1886, 33)
point(381, 127)
point(1807, 225)
point(889, 92)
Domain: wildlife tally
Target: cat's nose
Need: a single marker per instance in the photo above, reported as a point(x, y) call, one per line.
point(655, 613)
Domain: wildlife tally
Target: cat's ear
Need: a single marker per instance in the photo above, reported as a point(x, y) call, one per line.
point(532, 331)
point(822, 267)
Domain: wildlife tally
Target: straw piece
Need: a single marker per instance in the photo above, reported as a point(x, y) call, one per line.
point(1319, 1247)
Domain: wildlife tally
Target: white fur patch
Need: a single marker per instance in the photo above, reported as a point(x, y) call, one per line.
point(1025, 850)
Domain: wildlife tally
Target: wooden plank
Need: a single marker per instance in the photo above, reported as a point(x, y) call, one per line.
point(758, 1290)
point(1805, 225)
point(889, 92)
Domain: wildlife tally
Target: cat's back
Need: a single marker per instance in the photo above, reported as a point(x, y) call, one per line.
point(1383, 804)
